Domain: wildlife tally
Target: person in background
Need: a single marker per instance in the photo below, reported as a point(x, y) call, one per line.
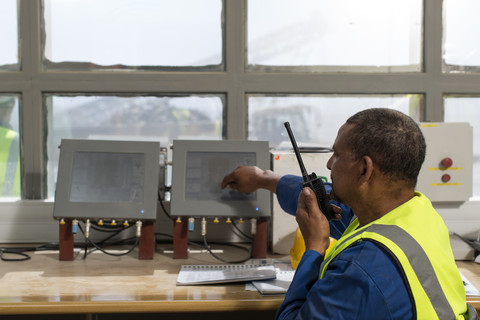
point(9, 151)
point(394, 260)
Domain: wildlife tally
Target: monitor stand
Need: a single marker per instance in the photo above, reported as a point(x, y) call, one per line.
point(65, 243)
point(146, 242)
point(180, 239)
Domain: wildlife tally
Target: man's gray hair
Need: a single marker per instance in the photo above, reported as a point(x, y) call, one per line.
point(392, 139)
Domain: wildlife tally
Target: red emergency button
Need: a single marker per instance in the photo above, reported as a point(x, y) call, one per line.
point(446, 178)
point(446, 162)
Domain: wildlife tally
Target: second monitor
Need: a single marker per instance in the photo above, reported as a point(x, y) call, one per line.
point(198, 169)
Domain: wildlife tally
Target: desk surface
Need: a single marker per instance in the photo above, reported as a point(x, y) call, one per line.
point(106, 284)
point(471, 271)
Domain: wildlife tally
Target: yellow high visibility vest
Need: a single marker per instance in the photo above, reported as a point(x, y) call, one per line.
point(417, 237)
point(9, 163)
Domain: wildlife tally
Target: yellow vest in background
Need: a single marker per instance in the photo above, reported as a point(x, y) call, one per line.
point(9, 163)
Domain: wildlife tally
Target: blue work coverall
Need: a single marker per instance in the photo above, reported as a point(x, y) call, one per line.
point(363, 282)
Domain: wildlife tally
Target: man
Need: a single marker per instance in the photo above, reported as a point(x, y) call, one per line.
point(9, 151)
point(394, 261)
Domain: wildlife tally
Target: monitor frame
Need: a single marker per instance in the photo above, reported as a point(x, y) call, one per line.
point(183, 207)
point(142, 210)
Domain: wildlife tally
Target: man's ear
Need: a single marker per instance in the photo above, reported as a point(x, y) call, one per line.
point(366, 166)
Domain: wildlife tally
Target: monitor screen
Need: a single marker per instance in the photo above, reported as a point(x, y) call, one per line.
point(198, 170)
point(107, 179)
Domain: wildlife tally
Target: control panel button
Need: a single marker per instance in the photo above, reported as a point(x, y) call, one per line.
point(446, 162)
point(446, 178)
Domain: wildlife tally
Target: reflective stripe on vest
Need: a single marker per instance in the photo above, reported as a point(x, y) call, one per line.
point(418, 260)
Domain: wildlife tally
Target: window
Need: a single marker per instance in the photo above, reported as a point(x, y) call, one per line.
point(8, 35)
point(311, 118)
point(461, 27)
point(118, 34)
point(113, 67)
point(336, 35)
point(467, 109)
point(157, 118)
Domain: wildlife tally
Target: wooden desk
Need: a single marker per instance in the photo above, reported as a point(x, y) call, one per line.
point(102, 284)
point(471, 271)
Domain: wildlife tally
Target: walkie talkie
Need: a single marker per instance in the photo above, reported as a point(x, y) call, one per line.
point(312, 181)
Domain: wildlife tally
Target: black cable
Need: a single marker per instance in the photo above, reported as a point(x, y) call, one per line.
point(205, 246)
point(114, 254)
point(224, 260)
point(240, 231)
point(97, 246)
point(163, 235)
point(475, 245)
point(162, 205)
point(115, 231)
point(21, 251)
point(246, 249)
point(85, 249)
point(47, 246)
point(106, 228)
point(202, 245)
point(3, 251)
point(164, 209)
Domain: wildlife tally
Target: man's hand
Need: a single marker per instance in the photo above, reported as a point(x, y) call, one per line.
point(312, 222)
point(250, 178)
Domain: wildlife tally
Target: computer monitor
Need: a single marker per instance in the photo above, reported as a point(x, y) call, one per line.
point(198, 170)
point(100, 179)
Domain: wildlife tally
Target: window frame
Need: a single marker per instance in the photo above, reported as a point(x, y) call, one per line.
point(236, 82)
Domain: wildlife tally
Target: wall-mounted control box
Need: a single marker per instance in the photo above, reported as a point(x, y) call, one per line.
point(446, 174)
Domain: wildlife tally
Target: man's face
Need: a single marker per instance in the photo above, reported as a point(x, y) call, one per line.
point(344, 169)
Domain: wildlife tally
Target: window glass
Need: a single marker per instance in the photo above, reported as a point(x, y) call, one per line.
point(461, 28)
point(8, 35)
point(315, 120)
point(134, 33)
point(467, 109)
point(348, 33)
point(129, 118)
point(9, 147)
